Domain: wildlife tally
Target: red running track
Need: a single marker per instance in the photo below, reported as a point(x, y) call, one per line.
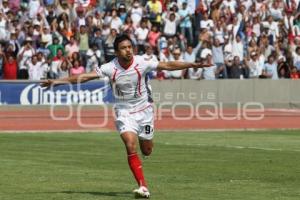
point(42, 119)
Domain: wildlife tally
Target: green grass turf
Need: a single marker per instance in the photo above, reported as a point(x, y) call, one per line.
point(208, 166)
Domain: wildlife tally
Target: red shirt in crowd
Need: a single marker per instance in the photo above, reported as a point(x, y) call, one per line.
point(10, 70)
point(153, 37)
point(294, 75)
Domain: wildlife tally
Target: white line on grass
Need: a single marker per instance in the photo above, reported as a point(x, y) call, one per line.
point(236, 147)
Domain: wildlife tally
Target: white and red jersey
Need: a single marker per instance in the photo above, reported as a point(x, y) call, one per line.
point(130, 86)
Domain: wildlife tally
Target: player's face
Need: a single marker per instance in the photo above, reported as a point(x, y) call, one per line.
point(125, 50)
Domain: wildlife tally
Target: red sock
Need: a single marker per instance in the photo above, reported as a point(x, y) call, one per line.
point(136, 168)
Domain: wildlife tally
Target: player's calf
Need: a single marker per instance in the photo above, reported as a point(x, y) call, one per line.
point(146, 147)
point(147, 151)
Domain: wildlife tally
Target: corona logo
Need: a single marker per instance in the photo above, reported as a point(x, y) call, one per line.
point(35, 95)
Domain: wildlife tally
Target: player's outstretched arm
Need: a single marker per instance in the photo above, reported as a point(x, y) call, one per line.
point(72, 79)
point(176, 65)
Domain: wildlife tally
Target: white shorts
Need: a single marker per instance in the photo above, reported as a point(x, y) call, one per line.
point(141, 122)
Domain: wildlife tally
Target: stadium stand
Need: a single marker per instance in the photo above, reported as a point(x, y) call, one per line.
point(43, 39)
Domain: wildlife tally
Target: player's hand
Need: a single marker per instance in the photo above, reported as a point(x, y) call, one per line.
point(47, 83)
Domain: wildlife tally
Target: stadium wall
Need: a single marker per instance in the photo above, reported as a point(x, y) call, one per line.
point(271, 93)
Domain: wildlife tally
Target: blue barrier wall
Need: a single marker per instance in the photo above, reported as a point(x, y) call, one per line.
point(271, 93)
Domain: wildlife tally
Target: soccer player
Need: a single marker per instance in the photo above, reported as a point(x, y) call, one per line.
point(133, 108)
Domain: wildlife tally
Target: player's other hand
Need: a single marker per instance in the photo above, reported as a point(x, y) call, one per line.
point(47, 83)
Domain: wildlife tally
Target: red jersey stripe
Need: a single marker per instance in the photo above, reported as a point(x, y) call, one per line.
point(114, 75)
point(139, 79)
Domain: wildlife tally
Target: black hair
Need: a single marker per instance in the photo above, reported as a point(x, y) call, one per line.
point(120, 39)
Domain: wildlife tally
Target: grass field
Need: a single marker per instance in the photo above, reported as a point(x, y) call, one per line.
point(193, 166)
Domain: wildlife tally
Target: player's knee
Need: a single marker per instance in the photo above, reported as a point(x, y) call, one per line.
point(131, 147)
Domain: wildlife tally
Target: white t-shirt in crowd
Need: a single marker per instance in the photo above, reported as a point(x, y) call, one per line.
point(35, 71)
point(26, 57)
point(141, 34)
point(209, 73)
point(207, 24)
point(116, 23)
point(136, 15)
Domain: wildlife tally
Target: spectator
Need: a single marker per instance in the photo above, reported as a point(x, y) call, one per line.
point(46, 36)
point(25, 54)
point(219, 31)
point(63, 7)
point(238, 70)
point(128, 25)
point(50, 15)
point(154, 10)
point(109, 46)
point(296, 58)
point(3, 26)
point(252, 47)
point(46, 68)
point(136, 13)
point(229, 4)
point(33, 6)
point(294, 74)
point(80, 20)
point(122, 12)
point(218, 57)
point(238, 47)
point(83, 39)
point(141, 35)
point(56, 62)
point(115, 23)
point(186, 23)
point(34, 69)
point(75, 56)
point(283, 67)
point(14, 42)
point(10, 66)
point(43, 49)
point(64, 69)
point(195, 73)
point(255, 65)
point(272, 28)
point(40, 57)
point(93, 58)
point(98, 39)
point(5, 7)
point(270, 68)
point(149, 55)
point(176, 74)
point(276, 11)
point(77, 68)
point(256, 27)
point(191, 53)
point(170, 24)
point(72, 46)
point(153, 37)
point(206, 23)
point(209, 73)
point(54, 47)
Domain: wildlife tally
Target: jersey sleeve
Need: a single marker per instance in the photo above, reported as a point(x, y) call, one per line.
point(103, 70)
point(150, 65)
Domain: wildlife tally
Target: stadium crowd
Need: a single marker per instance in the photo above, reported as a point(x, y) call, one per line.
point(43, 39)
